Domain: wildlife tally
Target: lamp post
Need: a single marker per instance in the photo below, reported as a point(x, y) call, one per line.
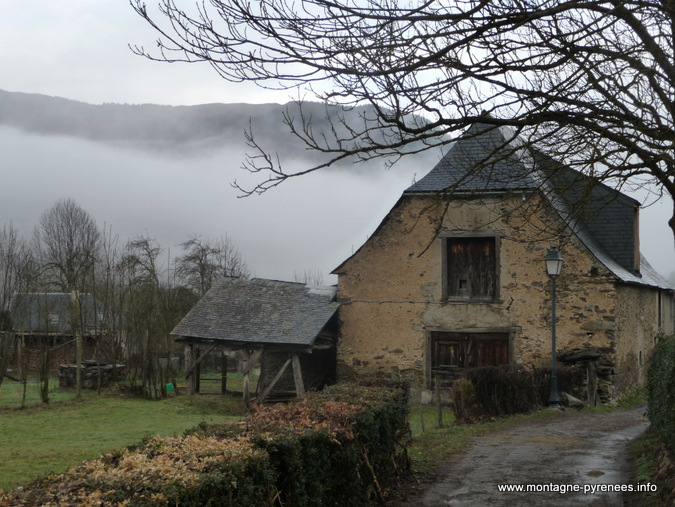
point(554, 263)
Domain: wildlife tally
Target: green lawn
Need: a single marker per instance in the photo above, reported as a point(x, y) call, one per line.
point(41, 439)
point(11, 393)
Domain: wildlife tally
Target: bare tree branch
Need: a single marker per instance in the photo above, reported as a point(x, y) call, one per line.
point(591, 84)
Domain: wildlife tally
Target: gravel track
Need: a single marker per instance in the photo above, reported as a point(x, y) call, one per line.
point(588, 449)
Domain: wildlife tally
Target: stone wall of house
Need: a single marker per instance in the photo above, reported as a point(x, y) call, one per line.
point(637, 325)
point(392, 290)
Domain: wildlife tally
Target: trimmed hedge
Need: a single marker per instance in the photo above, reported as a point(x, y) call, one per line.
point(661, 391)
point(498, 391)
point(341, 447)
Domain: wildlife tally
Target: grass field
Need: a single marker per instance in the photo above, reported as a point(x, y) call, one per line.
point(11, 393)
point(52, 438)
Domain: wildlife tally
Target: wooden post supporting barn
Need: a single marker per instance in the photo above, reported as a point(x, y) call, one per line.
point(223, 373)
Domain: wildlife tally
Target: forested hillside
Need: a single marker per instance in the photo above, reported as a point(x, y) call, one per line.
point(183, 128)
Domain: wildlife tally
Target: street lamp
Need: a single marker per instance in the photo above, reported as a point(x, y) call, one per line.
point(554, 263)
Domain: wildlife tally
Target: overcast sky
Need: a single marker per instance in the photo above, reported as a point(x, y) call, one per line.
point(78, 49)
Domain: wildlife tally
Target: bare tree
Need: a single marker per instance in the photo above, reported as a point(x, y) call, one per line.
point(309, 277)
point(17, 272)
point(591, 84)
point(152, 308)
point(68, 243)
point(15, 260)
point(206, 260)
point(109, 300)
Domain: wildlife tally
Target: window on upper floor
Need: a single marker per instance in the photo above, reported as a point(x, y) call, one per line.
point(471, 268)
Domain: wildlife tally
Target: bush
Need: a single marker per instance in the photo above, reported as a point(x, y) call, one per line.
point(571, 379)
point(464, 403)
point(661, 391)
point(498, 391)
point(337, 448)
point(495, 391)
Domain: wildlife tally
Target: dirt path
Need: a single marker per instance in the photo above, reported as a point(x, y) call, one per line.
point(586, 449)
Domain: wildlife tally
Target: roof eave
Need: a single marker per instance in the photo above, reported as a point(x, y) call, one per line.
point(241, 344)
point(468, 193)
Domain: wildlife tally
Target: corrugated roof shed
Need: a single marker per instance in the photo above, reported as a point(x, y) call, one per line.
point(239, 311)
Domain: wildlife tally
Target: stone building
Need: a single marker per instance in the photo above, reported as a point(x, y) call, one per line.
point(454, 276)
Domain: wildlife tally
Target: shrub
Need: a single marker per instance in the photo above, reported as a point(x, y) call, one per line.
point(180, 471)
point(571, 379)
point(337, 448)
point(464, 401)
point(498, 391)
point(661, 391)
point(504, 390)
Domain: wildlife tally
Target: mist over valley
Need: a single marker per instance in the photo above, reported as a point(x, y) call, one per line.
point(167, 172)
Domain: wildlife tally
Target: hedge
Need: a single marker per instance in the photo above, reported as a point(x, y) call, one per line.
point(498, 391)
point(341, 447)
point(661, 391)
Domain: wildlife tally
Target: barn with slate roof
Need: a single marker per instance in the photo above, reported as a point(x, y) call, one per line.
point(454, 276)
point(290, 329)
point(51, 321)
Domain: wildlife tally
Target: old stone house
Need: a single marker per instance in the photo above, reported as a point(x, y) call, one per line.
point(454, 276)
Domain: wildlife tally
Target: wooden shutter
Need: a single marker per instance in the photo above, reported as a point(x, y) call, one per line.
point(471, 268)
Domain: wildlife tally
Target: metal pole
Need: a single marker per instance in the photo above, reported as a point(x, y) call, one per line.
point(554, 398)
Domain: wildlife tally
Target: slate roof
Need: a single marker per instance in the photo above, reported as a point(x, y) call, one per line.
point(39, 312)
point(260, 311)
point(488, 160)
point(502, 165)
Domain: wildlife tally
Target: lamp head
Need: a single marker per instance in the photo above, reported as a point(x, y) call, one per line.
point(554, 262)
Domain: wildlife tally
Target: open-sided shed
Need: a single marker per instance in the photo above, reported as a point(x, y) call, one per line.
point(291, 328)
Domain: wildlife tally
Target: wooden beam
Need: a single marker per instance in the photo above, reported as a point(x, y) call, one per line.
point(190, 379)
point(297, 377)
point(269, 388)
point(197, 373)
point(199, 359)
point(223, 373)
point(249, 363)
point(246, 388)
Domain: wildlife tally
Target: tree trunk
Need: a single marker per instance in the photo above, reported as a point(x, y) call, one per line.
point(44, 376)
point(7, 341)
point(223, 373)
point(78, 362)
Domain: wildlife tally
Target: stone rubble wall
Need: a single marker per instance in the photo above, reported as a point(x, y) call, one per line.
point(110, 373)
